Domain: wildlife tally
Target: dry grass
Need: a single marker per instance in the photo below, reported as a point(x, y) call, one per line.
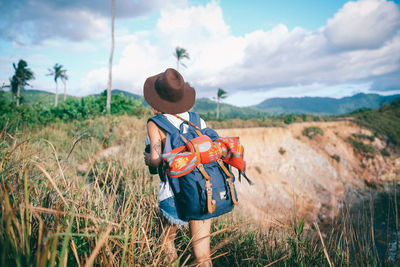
point(88, 207)
point(250, 123)
point(77, 194)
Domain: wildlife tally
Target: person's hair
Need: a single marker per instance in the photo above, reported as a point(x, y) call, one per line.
point(156, 112)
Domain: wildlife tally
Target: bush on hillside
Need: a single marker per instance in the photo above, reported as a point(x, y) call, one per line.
point(385, 152)
point(312, 131)
point(72, 109)
point(384, 121)
point(364, 136)
point(290, 119)
point(364, 149)
point(336, 157)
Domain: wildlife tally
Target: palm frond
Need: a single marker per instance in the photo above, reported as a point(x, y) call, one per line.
point(181, 53)
point(222, 94)
point(57, 71)
point(22, 74)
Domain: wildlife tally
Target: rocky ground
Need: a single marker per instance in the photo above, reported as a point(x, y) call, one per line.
point(294, 175)
point(306, 177)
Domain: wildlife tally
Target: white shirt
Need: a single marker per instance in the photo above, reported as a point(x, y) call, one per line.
point(165, 190)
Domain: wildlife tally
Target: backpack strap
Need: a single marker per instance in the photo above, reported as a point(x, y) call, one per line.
point(196, 128)
point(229, 180)
point(195, 119)
point(164, 124)
point(210, 202)
point(168, 127)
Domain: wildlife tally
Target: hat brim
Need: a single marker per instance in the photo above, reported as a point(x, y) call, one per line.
point(154, 100)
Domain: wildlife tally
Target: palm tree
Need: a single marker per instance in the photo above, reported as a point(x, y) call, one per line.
point(14, 89)
point(57, 72)
point(180, 53)
point(108, 104)
point(64, 79)
point(20, 79)
point(221, 94)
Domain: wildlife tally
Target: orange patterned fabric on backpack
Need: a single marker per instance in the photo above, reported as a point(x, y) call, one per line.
point(184, 159)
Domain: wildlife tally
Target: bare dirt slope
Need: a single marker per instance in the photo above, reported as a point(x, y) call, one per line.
point(296, 175)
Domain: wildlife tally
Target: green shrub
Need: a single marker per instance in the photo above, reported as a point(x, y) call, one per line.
point(364, 136)
point(385, 121)
point(290, 119)
point(362, 148)
point(316, 118)
point(312, 131)
point(385, 153)
point(89, 107)
point(336, 157)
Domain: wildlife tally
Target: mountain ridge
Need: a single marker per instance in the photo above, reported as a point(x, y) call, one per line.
point(271, 106)
point(324, 105)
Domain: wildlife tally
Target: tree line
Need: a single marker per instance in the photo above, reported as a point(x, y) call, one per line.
point(23, 75)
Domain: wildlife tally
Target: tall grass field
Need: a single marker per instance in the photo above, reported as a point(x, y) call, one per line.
point(77, 193)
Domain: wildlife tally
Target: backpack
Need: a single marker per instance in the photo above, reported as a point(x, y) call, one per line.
point(197, 168)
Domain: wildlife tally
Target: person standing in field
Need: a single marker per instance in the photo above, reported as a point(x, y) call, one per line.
point(168, 94)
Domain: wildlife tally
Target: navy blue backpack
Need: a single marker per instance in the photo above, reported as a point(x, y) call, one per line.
point(208, 190)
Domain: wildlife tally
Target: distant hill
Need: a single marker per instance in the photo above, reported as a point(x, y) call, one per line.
point(207, 107)
point(273, 106)
point(35, 96)
point(323, 105)
point(47, 98)
point(384, 121)
point(125, 93)
point(295, 105)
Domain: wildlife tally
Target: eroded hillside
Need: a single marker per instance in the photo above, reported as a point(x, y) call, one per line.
point(309, 175)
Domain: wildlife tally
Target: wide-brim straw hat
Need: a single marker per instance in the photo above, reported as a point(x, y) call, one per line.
point(167, 92)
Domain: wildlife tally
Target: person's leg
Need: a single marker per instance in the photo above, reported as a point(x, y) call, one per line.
point(167, 239)
point(200, 232)
point(171, 222)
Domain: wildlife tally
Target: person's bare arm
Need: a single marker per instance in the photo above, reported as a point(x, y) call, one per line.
point(154, 157)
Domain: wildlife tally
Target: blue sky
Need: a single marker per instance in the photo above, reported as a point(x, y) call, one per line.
point(265, 15)
point(252, 49)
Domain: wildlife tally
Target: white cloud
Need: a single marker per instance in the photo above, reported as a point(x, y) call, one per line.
point(33, 21)
point(361, 53)
point(205, 36)
point(95, 82)
point(363, 24)
point(194, 24)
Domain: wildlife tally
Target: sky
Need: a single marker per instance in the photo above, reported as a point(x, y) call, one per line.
point(254, 50)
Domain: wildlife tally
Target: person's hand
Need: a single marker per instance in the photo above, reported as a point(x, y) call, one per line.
point(146, 158)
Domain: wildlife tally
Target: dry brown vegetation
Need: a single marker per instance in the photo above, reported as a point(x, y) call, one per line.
point(78, 193)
